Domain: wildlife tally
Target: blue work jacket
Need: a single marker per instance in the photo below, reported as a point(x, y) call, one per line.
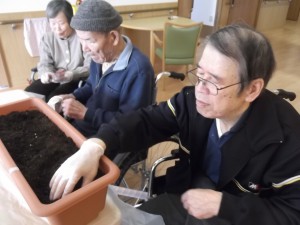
point(126, 86)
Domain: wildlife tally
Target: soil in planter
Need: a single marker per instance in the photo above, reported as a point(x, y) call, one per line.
point(37, 146)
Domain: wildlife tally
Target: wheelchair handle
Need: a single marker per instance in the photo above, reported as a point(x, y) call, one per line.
point(285, 94)
point(173, 75)
point(179, 76)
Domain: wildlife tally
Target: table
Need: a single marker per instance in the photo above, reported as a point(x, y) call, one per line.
point(151, 25)
point(12, 95)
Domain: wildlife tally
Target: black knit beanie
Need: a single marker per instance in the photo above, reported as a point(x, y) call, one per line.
point(96, 15)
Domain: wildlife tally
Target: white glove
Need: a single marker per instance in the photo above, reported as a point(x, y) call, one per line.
point(46, 78)
point(55, 103)
point(84, 163)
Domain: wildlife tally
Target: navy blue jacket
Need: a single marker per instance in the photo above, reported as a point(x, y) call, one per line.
point(126, 86)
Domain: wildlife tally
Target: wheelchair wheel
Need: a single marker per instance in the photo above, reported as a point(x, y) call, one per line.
point(133, 175)
point(135, 168)
point(129, 161)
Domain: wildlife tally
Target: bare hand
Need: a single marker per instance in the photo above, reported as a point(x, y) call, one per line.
point(66, 96)
point(73, 109)
point(202, 203)
point(59, 75)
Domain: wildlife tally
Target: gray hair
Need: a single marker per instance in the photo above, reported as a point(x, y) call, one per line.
point(56, 6)
point(249, 48)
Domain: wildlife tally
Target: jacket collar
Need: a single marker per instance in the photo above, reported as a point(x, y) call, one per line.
point(251, 137)
point(123, 60)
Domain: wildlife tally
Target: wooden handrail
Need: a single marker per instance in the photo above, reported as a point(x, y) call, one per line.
point(4, 22)
point(278, 1)
point(145, 10)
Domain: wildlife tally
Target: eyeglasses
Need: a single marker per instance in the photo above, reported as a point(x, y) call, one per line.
point(212, 88)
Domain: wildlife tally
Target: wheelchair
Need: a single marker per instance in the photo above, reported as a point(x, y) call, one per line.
point(137, 164)
point(152, 181)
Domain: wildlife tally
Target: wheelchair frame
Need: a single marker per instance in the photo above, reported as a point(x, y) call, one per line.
point(136, 161)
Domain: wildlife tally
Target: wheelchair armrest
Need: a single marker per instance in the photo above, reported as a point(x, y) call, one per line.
point(32, 75)
point(34, 69)
point(175, 154)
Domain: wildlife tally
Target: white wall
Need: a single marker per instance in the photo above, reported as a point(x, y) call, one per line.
point(204, 11)
point(7, 6)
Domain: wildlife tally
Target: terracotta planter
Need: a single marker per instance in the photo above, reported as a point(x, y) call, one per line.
point(77, 208)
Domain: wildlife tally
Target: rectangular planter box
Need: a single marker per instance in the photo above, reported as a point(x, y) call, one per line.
point(81, 206)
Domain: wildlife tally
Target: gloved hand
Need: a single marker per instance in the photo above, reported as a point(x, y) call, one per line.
point(46, 78)
point(84, 163)
point(55, 103)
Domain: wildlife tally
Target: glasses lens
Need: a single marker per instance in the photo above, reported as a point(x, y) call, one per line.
point(211, 87)
point(193, 77)
point(195, 80)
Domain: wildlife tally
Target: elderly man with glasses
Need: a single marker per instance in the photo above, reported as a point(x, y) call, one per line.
point(243, 167)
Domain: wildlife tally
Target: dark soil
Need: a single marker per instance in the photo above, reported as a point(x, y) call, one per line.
point(37, 146)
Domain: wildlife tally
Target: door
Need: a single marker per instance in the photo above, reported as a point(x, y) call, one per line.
point(243, 11)
point(15, 61)
point(294, 10)
point(4, 82)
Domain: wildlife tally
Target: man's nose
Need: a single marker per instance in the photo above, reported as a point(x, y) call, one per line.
point(85, 47)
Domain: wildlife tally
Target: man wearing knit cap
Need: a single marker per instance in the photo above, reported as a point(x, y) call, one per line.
point(121, 78)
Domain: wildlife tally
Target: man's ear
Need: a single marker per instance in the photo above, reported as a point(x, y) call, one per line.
point(254, 89)
point(115, 36)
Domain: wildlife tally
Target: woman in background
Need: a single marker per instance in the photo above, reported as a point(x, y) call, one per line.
point(62, 62)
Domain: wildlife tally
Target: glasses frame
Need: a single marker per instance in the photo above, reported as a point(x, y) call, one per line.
point(200, 79)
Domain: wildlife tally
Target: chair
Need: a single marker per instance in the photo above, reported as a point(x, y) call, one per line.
point(179, 43)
